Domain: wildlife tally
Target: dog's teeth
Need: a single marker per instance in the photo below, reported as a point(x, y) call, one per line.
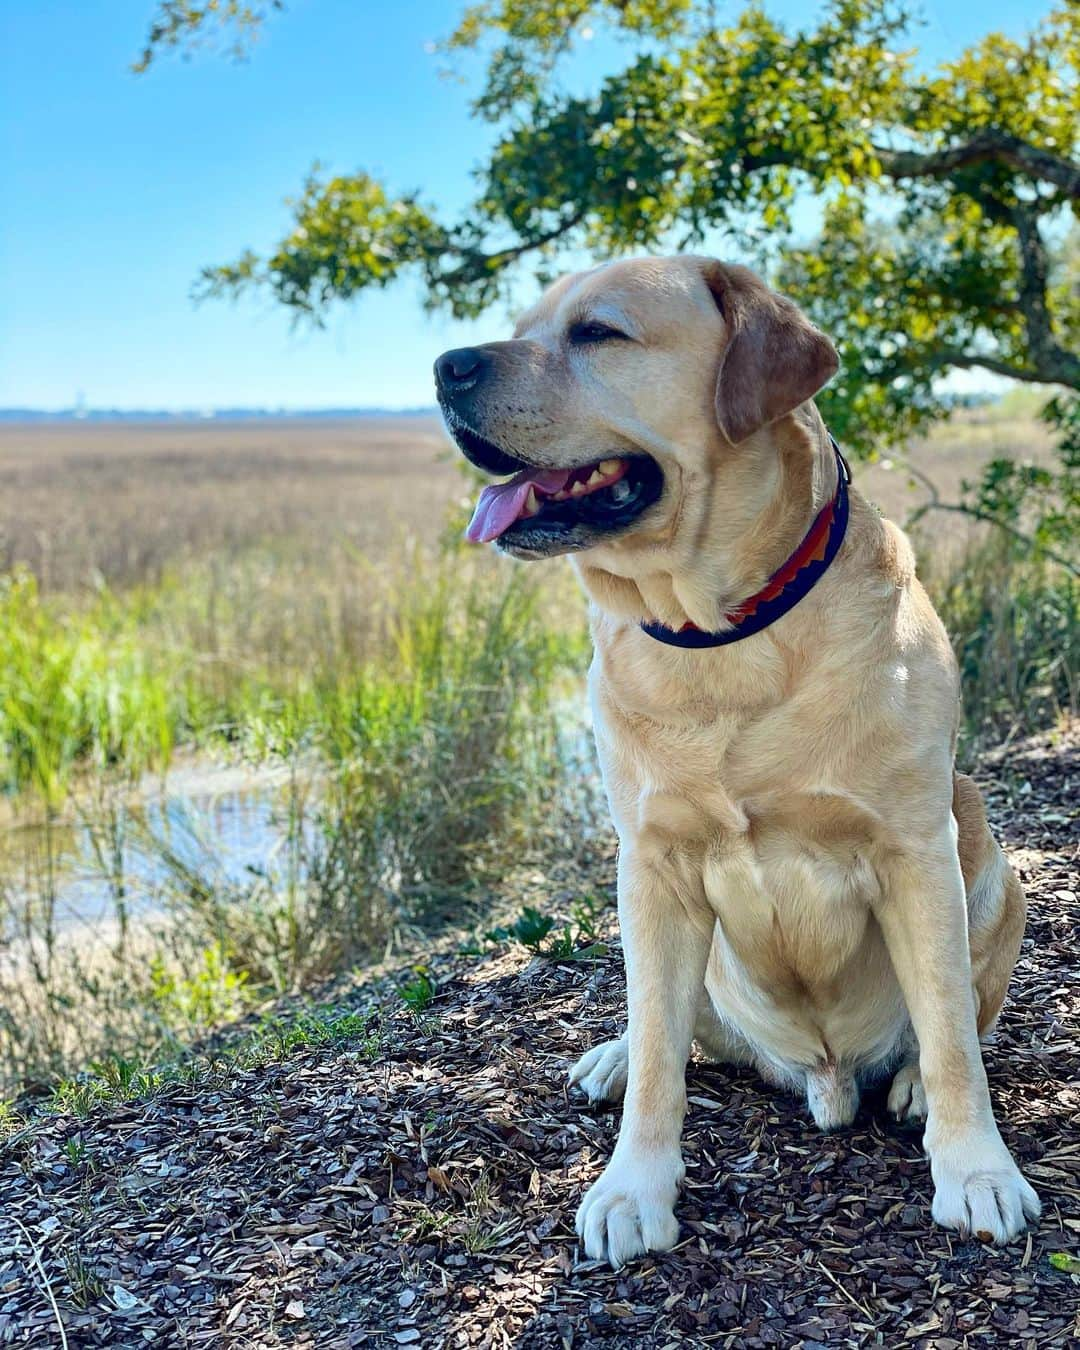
point(595, 478)
point(609, 466)
point(560, 496)
point(620, 490)
point(578, 489)
point(531, 504)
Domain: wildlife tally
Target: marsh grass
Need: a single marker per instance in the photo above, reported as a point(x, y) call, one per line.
point(130, 503)
point(1014, 621)
point(437, 761)
point(76, 687)
point(424, 752)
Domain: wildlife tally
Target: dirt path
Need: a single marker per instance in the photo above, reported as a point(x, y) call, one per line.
point(413, 1181)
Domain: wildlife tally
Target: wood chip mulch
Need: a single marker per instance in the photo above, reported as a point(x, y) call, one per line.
point(422, 1192)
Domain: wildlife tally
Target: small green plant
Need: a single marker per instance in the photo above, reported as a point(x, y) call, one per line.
point(539, 934)
point(84, 1282)
point(117, 1073)
point(586, 914)
point(530, 928)
point(117, 1079)
point(418, 992)
point(565, 946)
point(428, 1222)
point(472, 1220)
point(276, 1037)
point(213, 993)
point(478, 1233)
point(75, 1151)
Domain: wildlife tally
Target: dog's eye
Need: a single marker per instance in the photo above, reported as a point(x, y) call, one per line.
point(594, 332)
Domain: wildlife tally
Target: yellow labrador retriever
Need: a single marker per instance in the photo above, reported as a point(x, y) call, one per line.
point(805, 884)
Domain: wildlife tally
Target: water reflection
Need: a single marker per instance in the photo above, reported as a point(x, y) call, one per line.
point(223, 824)
point(218, 828)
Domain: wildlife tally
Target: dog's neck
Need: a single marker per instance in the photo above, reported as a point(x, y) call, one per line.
point(731, 533)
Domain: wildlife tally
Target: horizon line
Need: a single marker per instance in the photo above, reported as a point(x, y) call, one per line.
point(233, 412)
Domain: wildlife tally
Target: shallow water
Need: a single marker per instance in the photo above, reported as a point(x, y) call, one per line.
point(225, 823)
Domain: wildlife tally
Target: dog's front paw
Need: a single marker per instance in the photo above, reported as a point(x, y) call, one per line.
point(601, 1072)
point(631, 1209)
point(979, 1189)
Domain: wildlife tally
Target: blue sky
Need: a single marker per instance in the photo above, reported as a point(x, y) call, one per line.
point(117, 188)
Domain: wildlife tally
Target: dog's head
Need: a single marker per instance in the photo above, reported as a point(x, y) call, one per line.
point(620, 394)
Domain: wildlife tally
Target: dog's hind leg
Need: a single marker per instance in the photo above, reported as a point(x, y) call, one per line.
point(719, 1040)
point(907, 1100)
point(997, 910)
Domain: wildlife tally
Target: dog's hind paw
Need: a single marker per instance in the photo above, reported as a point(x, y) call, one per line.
point(601, 1072)
point(907, 1100)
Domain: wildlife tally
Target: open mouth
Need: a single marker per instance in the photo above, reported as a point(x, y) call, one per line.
point(540, 511)
point(543, 511)
point(554, 494)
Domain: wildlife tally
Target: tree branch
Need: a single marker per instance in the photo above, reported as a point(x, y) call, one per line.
point(476, 263)
point(947, 356)
point(1036, 163)
point(1048, 362)
point(507, 255)
point(934, 503)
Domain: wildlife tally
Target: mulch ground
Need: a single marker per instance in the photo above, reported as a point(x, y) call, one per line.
point(423, 1194)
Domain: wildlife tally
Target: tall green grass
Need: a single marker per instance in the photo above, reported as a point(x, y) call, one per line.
point(1014, 622)
point(437, 763)
point(77, 687)
point(263, 651)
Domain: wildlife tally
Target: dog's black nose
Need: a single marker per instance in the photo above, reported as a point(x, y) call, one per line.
point(461, 366)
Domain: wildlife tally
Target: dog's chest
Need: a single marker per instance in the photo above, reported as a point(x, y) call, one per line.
point(798, 963)
point(799, 960)
point(785, 860)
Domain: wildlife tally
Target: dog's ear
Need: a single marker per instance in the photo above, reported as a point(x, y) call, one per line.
point(775, 358)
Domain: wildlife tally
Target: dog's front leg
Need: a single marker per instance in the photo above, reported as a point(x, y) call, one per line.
point(666, 930)
point(923, 916)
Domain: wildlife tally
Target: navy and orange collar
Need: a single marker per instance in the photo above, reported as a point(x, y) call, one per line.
point(787, 585)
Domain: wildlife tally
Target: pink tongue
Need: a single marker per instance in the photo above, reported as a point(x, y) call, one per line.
point(500, 504)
